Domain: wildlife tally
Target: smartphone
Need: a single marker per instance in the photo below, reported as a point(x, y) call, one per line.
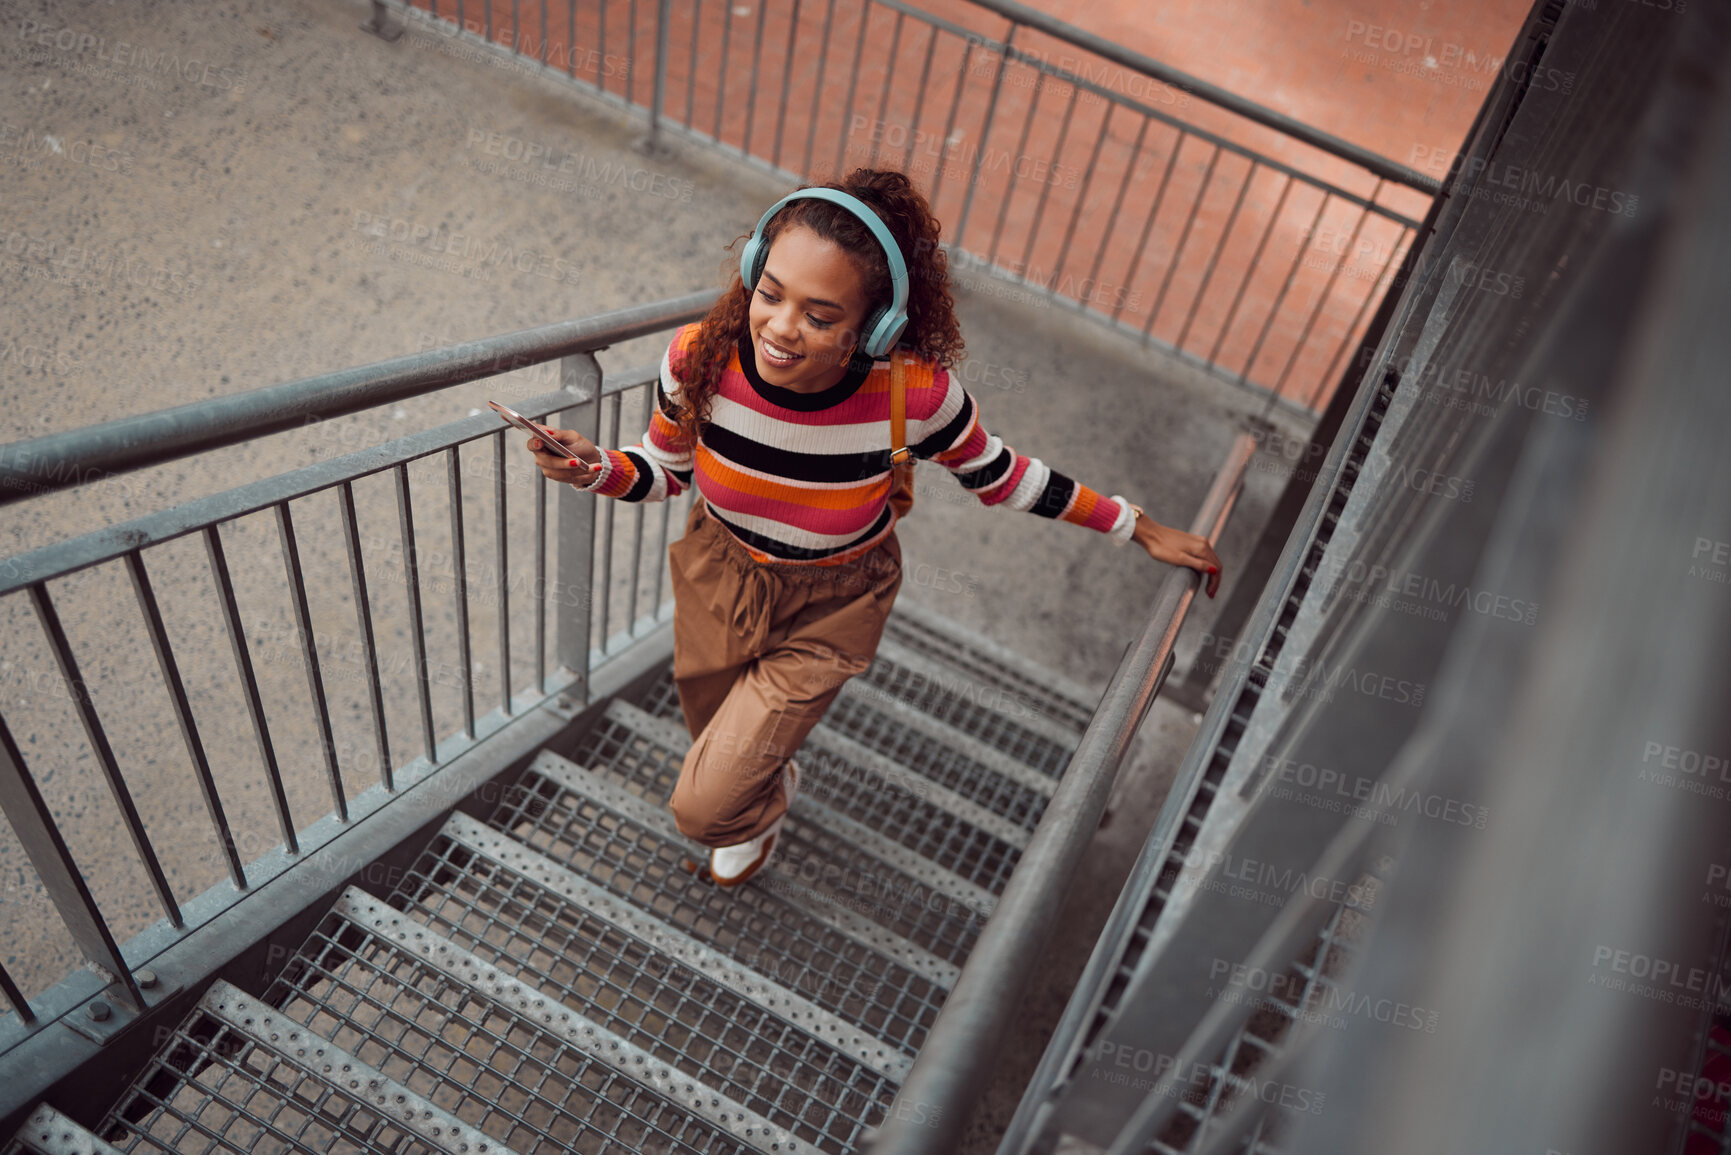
point(533, 430)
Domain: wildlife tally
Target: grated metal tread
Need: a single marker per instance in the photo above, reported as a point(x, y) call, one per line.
point(1058, 697)
point(48, 1132)
point(923, 673)
point(912, 739)
point(211, 1088)
point(520, 911)
point(833, 956)
point(492, 1051)
point(920, 839)
point(769, 1121)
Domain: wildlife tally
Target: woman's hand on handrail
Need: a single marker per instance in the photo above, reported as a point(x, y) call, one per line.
point(1177, 547)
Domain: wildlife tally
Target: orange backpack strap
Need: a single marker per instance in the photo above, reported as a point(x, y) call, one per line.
point(898, 410)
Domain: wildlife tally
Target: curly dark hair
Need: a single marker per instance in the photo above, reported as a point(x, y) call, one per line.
point(932, 331)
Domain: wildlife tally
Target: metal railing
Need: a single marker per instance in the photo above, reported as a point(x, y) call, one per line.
point(1072, 172)
point(956, 1061)
point(605, 598)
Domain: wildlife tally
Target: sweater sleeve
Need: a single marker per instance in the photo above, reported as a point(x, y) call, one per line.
point(954, 438)
point(659, 466)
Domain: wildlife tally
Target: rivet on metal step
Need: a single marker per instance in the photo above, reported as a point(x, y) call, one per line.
point(146, 979)
point(98, 1011)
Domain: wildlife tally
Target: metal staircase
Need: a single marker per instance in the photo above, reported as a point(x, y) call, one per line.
point(559, 977)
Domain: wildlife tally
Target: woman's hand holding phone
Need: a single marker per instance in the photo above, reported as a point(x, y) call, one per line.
point(556, 466)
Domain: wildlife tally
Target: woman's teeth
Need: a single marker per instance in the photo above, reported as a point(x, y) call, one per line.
point(776, 355)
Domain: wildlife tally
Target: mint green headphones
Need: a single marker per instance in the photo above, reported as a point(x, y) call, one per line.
point(885, 324)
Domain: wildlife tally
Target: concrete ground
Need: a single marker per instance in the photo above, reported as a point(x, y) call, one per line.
point(173, 235)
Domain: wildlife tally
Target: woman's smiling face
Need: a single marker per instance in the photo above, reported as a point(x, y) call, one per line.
point(806, 312)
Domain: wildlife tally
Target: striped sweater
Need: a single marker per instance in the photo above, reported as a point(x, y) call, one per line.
point(806, 477)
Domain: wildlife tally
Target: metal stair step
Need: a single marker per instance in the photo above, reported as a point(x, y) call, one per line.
point(804, 940)
point(239, 1076)
point(887, 723)
point(972, 700)
point(1062, 698)
point(649, 816)
point(492, 1050)
point(48, 1132)
point(842, 749)
point(523, 912)
point(921, 744)
point(920, 839)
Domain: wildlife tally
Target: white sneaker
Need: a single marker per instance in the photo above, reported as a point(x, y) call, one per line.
point(733, 865)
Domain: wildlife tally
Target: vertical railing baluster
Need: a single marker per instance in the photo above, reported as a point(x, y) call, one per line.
point(1177, 257)
point(1285, 288)
point(15, 998)
point(950, 122)
point(1214, 257)
point(786, 79)
point(756, 60)
point(1010, 175)
point(249, 683)
point(877, 130)
point(661, 563)
point(691, 66)
point(579, 375)
point(1148, 225)
point(1046, 186)
point(1374, 294)
point(571, 52)
point(540, 588)
point(543, 33)
point(1117, 202)
point(291, 560)
point(631, 53)
point(985, 133)
point(33, 824)
point(105, 760)
point(865, 11)
point(1250, 269)
point(412, 584)
point(1081, 199)
point(460, 586)
point(817, 92)
point(604, 546)
point(663, 21)
point(601, 63)
point(720, 70)
point(920, 100)
point(637, 541)
point(364, 617)
point(1322, 298)
point(189, 735)
point(503, 569)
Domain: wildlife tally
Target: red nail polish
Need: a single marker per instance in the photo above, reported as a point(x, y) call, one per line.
point(574, 462)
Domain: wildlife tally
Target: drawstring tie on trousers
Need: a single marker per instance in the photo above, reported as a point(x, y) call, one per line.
point(751, 609)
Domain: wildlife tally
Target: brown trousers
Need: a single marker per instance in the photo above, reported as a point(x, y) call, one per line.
point(759, 653)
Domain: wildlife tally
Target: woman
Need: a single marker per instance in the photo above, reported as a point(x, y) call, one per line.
point(778, 402)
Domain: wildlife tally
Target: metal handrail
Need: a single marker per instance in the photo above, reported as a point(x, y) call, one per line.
point(959, 1053)
point(79, 456)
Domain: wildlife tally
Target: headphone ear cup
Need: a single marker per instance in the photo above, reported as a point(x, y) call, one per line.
point(870, 342)
point(748, 268)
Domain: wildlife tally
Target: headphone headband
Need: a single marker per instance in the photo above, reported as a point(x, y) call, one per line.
point(884, 325)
